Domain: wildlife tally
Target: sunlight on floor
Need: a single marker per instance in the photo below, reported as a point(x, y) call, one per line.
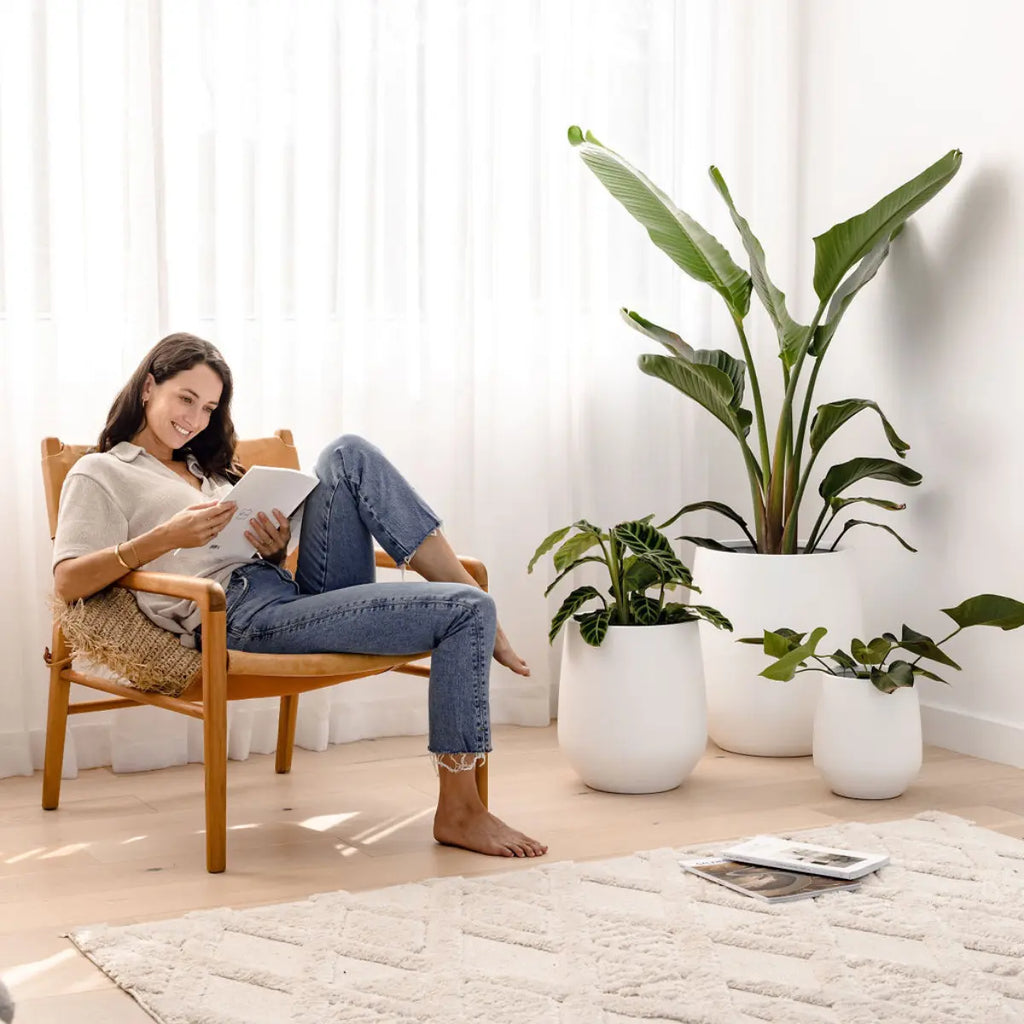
point(20, 973)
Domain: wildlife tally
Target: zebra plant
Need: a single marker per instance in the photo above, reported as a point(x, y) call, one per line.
point(778, 462)
point(641, 566)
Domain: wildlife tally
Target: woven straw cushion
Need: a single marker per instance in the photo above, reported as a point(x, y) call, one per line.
point(111, 629)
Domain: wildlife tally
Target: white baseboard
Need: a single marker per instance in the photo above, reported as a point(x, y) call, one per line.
point(973, 734)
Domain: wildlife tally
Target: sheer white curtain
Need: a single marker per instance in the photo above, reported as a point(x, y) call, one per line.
point(371, 207)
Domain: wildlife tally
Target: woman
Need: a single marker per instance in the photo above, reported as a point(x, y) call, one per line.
point(148, 497)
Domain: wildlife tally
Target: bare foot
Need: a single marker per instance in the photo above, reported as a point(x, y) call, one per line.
point(481, 832)
point(504, 655)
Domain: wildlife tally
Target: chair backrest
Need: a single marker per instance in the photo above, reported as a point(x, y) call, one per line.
point(58, 458)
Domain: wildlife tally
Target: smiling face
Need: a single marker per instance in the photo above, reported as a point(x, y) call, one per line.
point(177, 409)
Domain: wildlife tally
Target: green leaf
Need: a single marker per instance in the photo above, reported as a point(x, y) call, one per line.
point(851, 523)
point(575, 546)
point(778, 643)
point(707, 542)
point(897, 675)
point(841, 246)
point(712, 506)
point(893, 506)
point(546, 545)
point(646, 610)
point(842, 659)
point(706, 385)
point(712, 615)
point(569, 606)
point(665, 337)
point(791, 334)
point(873, 653)
point(594, 626)
point(988, 610)
point(923, 646)
point(569, 568)
point(642, 538)
point(838, 478)
point(831, 416)
point(785, 668)
point(918, 670)
point(734, 369)
point(675, 612)
point(639, 574)
point(847, 291)
point(692, 248)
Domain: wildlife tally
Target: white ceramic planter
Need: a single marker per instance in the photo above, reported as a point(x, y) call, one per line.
point(867, 744)
point(632, 716)
point(747, 713)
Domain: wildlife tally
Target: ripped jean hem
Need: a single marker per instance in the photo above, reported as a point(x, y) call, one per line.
point(461, 762)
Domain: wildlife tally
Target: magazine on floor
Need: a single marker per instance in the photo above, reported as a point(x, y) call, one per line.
point(775, 852)
point(771, 885)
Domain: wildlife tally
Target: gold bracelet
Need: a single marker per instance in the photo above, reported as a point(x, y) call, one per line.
point(117, 555)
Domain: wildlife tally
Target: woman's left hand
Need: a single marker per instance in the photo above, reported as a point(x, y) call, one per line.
point(268, 538)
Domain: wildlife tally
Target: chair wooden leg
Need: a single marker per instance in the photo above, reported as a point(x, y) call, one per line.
point(56, 723)
point(286, 733)
point(215, 743)
point(481, 778)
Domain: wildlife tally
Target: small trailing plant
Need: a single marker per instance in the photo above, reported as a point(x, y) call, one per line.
point(885, 659)
point(642, 569)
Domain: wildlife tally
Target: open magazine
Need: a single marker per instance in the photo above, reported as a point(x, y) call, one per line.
point(785, 854)
point(261, 489)
point(772, 885)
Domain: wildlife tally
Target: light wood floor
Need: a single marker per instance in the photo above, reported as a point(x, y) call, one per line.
point(130, 847)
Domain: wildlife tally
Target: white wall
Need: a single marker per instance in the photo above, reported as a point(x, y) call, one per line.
point(887, 87)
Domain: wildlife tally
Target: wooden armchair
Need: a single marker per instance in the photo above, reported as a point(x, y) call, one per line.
point(224, 675)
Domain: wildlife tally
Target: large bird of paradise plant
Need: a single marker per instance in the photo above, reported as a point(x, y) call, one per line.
point(778, 463)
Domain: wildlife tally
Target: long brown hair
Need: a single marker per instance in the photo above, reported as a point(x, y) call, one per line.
point(214, 446)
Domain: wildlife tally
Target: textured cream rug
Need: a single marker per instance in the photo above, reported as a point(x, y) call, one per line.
point(935, 938)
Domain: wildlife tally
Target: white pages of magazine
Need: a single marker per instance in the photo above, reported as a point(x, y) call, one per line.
point(774, 852)
point(261, 489)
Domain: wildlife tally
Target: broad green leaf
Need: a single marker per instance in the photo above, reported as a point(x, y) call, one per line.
point(663, 336)
point(579, 597)
point(892, 506)
point(919, 671)
point(712, 506)
point(842, 659)
point(988, 610)
point(707, 542)
point(679, 236)
point(851, 523)
point(639, 575)
point(791, 334)
point(646, 610)
point(569, 568)
point(785, 668)
point(676, 612)
point(734, 369)
point(897, 675)
point(575, 546)
point(847, 291)
point(779, 643)
point(594, 626)
point(706, 385)
point(873, 653)
point(641, 538)
point(546, 545)
point(844, 244)
point(831, 416)
point(838, 478)
point(924, 647)
point(712, 615)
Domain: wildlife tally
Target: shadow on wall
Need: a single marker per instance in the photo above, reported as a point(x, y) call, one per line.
point(931, 308)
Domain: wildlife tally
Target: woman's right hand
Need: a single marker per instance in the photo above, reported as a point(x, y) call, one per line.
point(197, 525)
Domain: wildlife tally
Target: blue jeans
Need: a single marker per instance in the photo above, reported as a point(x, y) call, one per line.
point(334, 604)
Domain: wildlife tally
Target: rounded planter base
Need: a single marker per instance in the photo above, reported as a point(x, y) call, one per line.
point(632, 716)
point(748, 714)
point(867, 744)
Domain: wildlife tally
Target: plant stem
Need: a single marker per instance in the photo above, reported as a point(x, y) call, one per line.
point(614, 560)
point(762, 430)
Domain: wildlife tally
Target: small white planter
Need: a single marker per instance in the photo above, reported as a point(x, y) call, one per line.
point(867, 744)
point(632, 716)
point(747, 713)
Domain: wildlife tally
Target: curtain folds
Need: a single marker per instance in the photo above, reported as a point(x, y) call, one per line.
point(371, 207)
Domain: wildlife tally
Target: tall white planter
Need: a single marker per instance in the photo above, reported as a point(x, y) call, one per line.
point(747, 713)
point(867, 744)
point(631, 713)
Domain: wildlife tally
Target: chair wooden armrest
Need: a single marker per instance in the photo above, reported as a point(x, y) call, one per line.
point(208, 594)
